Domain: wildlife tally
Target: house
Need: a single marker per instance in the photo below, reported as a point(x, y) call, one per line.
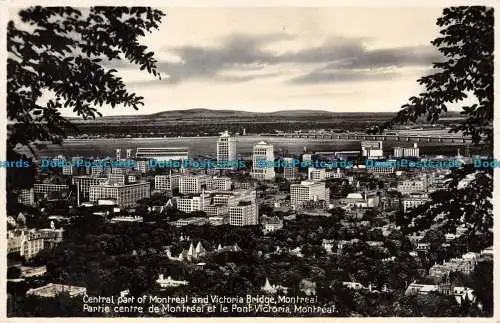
point(328, 244)
point(33, 271)
point(53, 290)
point(415, 289)
point(233, 248)
point(423, 246)
point(169, 282)
point(375, 243)
point(271, 224)
point(460, 293)
point(353, 285)
point(465, 265)
point(273, 289)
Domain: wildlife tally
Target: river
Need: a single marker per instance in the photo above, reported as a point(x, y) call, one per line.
point(203, 146)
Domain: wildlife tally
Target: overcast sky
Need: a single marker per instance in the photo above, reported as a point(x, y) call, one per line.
point(268, 59)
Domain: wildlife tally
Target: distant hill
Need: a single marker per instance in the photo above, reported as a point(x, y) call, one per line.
point(202, 113)
point(209, 114)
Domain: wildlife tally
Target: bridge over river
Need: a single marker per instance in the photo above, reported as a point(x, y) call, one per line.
point(444, 138)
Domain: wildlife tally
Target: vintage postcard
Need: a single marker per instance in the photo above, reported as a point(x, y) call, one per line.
point(224, 161)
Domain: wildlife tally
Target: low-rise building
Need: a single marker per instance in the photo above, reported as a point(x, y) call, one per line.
point(42, 188)
point(193, 184)
point(460, 293)
point(167, 182)
point(411, 186)
point(131, 218)
point(413, 201)
point(359, 200)
point(219, 220)
point(220, 183)
point(169, 282)
point(191, 204)
point(273, 289)
point(271, 224)
point(189, 221)
point(216, 210)
point(353, 285)
point(52, 290)
point(124, 195)
point(33, 271)
point(465, 265)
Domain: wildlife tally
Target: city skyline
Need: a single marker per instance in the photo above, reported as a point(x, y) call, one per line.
point(210, 213)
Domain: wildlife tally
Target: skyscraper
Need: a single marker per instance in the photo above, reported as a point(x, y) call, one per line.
point(226, 150)
point(290, 171)
point(263, 161)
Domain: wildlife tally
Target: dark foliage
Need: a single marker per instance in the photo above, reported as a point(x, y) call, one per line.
point(64, 53)
point(467, 45)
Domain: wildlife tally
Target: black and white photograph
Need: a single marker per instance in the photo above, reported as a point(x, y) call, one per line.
point(231, 161)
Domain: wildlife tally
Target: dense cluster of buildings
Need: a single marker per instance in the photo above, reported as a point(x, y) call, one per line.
point(228, 195)
point(29, 242)
point(226, 200)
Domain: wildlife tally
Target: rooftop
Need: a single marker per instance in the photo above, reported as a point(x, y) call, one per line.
point(52, 290)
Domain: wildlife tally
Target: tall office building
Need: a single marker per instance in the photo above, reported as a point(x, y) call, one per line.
point(307, 191)
point(124, 195)
point(220, 183)
point(83, 183)
point(245, 213)
point(194, 203)
point(226, 150)
point(26, 197)
point(167, 182)
point(242, 204)
point(193, 184)
point(290, 172)
point(263, 161)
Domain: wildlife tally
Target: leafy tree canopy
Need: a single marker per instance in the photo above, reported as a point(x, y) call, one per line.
point(467, 45)
point(64, 53)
